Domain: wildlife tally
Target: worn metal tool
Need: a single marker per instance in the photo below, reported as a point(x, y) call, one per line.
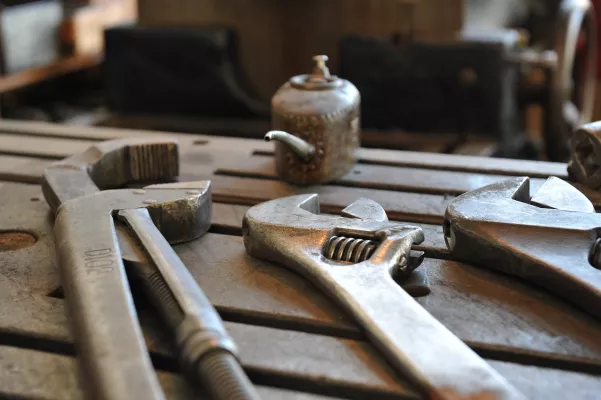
point(90, 246)
point(501, 226)
point(585, 156)
point(354, 258)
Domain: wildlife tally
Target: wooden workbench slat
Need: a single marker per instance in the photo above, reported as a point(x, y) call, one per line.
point(482, 307)
point(274, 356)
point(22, 169)
point(487, 309)
point(417, 180)
point(32, 374)
point(400, 206)
point(41, 146)
point(379, 177)
point(376, 156)
point(451, 162)
point(46, 376)
point(415, 207)
point(59, 131)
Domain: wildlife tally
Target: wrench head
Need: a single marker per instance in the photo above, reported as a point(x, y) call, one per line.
point(585, 158)
point(181, 211)
point(499, 227)
point(290, 231)
point(110, 165)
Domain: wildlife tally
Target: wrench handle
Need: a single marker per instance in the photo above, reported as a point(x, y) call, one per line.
point(109, 341)
point(411, 338)
point(205, 348)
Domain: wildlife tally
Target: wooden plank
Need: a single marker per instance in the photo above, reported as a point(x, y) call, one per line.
point(26, 373)
point(451, 162)
point(393, 178)
point(475, 304)
point(32, 76)
point(29, 374)
point(265, 351)
point(60, 131)
point(377, 177)
point(216, 262)
point(295, 360)
point(400, 206)
point(21, 169)
point(41, 147)
point(447, 162)
point(293, 31)
point(199, 162)
point(33, 374)
point(402, 140)
point(480, 147)
point(490, 310)
point(544, 383)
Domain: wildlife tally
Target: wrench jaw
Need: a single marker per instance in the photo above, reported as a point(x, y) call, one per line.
point(110, 165)
point(186, 218)
point(171, 206)
point(115, 163)
point(471, 206)
point(290, 231)
point(550, 248)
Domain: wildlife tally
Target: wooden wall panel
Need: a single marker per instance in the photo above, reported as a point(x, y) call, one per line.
point(278, 38)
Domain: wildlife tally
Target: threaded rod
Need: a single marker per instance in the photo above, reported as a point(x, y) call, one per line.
point(223, 378)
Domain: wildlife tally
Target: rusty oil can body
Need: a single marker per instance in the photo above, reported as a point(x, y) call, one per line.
point(323, 111)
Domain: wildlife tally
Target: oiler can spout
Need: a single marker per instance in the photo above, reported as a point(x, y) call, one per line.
point(302, 149)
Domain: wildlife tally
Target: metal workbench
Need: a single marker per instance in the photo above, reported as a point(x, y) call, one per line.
point(294, 342)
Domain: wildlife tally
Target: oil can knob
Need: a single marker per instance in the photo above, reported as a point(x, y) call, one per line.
point(320, 69)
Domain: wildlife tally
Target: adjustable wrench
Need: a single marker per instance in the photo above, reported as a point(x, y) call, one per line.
point(553, 244)
point(90, 243)
point(353, 258)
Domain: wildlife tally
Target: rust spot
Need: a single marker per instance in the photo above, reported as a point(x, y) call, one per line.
point(15, 240)
point(35, 199)
point(201, 142)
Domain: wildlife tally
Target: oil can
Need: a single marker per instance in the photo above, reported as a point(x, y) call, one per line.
point(316, 126)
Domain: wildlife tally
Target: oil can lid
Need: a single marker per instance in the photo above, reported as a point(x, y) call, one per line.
point(319, 79)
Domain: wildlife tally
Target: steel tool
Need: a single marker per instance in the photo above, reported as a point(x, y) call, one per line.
point(91, 243)
point(585, 155)
point(354, 259)
point(501, 226)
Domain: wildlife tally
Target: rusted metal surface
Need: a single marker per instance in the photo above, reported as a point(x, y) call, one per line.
point(321, 113)
point(12, 240)
point(289, 333)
